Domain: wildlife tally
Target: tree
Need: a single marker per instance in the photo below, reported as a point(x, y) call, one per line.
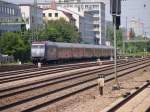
point(119, 38)
point(110, 36)
point(12, 44)
point(59, 31)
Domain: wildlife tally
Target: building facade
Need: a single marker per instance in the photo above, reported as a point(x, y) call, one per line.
point(97, 10)
point(10, 17)
point(54, 14)
point(86, 28)
point(31, 15)
point(84, 24)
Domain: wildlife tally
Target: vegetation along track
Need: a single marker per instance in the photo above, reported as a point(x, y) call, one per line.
point(33, 97)
point(4, 78)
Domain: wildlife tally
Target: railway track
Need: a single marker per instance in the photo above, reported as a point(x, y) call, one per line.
point(34, 96)
point(133, 101)
point(9, 77)
point(86, 64)
point(59, 79)
point(33, 69)
point(63, 76)
point(4, 68)
point(15, 72)
point(14, 76)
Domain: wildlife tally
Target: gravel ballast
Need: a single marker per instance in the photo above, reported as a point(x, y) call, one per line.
point(91, 101)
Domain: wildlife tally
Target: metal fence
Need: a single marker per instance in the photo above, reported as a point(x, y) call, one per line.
point(6, 59)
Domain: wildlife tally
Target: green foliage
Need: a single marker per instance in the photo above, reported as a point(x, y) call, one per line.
point(134, 48)
point(13, 44)
point(59, 31)
point(110, 36)
point(137, 48)
point(119, 38)
point(18, 43)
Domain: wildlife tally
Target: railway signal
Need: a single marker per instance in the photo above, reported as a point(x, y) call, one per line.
point(115, 7)
point(115, 10)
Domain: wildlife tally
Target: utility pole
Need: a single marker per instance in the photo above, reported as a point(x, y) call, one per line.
point(126, 35)
point(35, 28)
point(115, 50)
point(145, 48)
point(99, 28)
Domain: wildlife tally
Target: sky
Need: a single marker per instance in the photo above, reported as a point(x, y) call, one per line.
point(19, 1)
point(23, 1)
point(139, 10)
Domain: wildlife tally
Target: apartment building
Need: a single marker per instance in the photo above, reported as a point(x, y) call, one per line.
point(10, 17)
point(54, 14)
point(96, 9)
point(31, 15)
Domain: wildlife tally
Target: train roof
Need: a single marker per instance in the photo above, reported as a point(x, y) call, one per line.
point(75, 45)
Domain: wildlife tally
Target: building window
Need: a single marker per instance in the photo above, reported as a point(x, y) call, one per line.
point(0, 9)
point(43, 14)
point(12, 11)
point(86, 6)
point(56, 14)
point(7, 10)
point(4, 9)
point(50, 14)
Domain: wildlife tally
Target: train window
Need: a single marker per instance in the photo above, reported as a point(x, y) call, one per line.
point(38, 46)
point(41, 47)
point(34, 46)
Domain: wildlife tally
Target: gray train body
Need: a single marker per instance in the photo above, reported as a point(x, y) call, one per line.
point(55, 51)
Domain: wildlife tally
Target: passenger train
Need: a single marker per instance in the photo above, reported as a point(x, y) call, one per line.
point(47, 51)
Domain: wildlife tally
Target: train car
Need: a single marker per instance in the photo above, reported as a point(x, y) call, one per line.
point(38, 50)
point(55, 51)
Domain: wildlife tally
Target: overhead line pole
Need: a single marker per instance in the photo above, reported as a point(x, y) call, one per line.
point(35, 36)
point(115, 52)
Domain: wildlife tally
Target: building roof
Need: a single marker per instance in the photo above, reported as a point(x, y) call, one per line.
point(8, 2)
point(74, 45)
point(69, 15)
point(53, 4)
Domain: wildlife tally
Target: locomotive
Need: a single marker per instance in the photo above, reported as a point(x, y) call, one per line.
point(47, 51)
